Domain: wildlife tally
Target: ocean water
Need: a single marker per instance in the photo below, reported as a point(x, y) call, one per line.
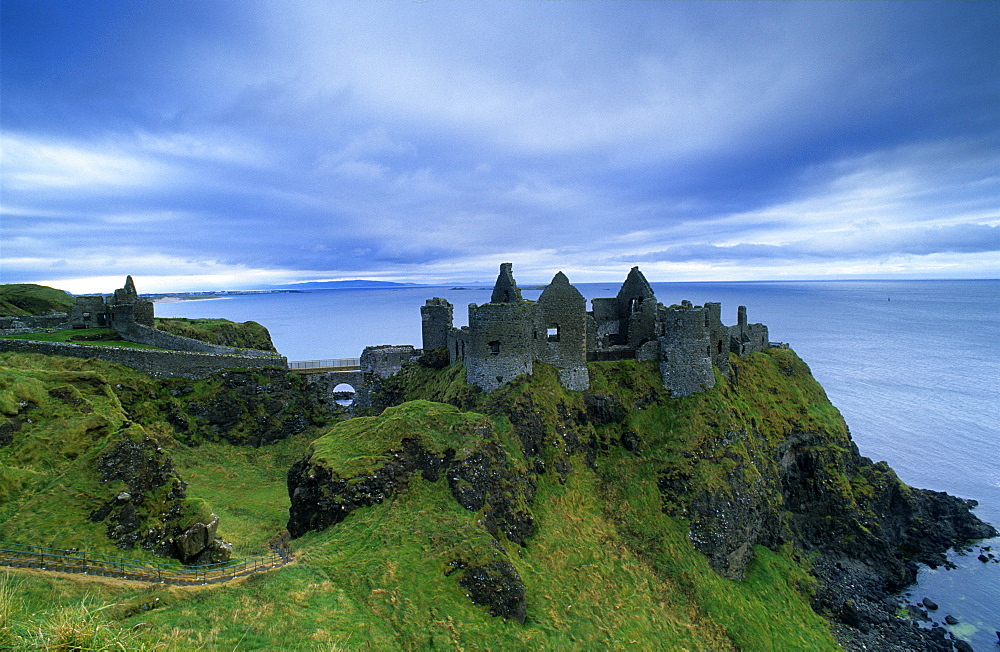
point(914, 366)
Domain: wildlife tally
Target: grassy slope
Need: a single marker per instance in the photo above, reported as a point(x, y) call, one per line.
point(606, 567)
point(83, 336)
point(17, 299)
point(242, 335)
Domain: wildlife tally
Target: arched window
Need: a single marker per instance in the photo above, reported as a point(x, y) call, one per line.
point(495, 347)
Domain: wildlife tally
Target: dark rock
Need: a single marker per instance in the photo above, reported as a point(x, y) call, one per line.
point(250, 408)
point(7, 429)
point(196, 539)
point(148, 473)
point(951, 620)
point(930, 604)
point(529, 428)
point(983, 558)
point(914, 612)
point(498, 586)
point(483, 479)
point(631, 441)
point(962, 646)
point(603, 409)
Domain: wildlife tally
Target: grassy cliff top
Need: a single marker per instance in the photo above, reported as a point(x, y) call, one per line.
point(240, 335)
point(19, 299)
point(607, 563)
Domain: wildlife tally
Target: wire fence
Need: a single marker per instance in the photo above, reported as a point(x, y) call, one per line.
point(18, 555)
point(345, 364)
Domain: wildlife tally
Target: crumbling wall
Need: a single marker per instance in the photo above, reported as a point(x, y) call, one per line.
point(156, 363)
point(560, 332)
point(747, 338)
point(685, 355)
point(458, 342)
point(500, 346)
point(378, 363)
point(88, 312)
point(31, 324)
point(134, 332)
point(436, 318)
point(607, 323)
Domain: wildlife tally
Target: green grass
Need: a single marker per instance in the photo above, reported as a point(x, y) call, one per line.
point(82, 336)
point(19, 299)
point(243, 335)
point(244, 486)
point(611, 564)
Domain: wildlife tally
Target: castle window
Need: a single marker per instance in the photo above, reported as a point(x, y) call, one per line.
point(720, 346)
point(635, 305)
point(552, 333)
point(495, 347)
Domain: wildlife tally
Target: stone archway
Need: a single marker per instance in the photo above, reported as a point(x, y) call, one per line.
point(344, 394)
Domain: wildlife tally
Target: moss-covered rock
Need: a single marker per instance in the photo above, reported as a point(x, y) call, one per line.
point(762, 459)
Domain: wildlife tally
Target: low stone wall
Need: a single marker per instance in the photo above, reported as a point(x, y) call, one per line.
point(30, 324)
point(159, 364)
point(150, 336)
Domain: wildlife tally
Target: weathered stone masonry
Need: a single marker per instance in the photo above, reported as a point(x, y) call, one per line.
point(131, 317)
point(159, 364)
point(507, 335)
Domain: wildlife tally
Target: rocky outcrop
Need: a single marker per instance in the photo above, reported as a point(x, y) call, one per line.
point(482, 480)
point(152, 511)
point(498, 586)
point(760, 460)
point(478, 475)
point(245, 407)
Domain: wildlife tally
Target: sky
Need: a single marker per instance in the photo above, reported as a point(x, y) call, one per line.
point(231, 145)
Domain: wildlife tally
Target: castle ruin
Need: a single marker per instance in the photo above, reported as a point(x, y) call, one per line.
point(507, 335)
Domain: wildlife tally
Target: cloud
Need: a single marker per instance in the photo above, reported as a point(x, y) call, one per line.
point(34, 164)
point(429, 140)
point(959, 238)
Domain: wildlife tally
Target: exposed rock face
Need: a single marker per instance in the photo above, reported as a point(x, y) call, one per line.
point(483, 479)
point(150, 512)
point(498, 586)
point(480, 477)
point(254, 408)
point(763, 459)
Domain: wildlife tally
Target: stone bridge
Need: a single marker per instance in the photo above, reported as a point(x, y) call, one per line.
point(375, 362)
point(329, 374)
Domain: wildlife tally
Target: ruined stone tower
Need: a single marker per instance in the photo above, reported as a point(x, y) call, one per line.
point(437, 317)
point(500, 336)
point(507, 335)
point(561, 332)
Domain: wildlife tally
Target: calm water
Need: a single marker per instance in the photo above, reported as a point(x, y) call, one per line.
point(912, 365)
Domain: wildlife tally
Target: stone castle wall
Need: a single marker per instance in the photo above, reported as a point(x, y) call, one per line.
point(140, 334)
point(560, 332)
point(685, 350)
point(159, 364)
point(436, 317)
point(506, 335)
point(31, 324)
point(500, 346)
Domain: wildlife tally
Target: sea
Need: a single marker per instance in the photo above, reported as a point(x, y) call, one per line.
point(914, 366)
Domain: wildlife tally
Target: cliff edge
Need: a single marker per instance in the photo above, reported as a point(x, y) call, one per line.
point(760, 462)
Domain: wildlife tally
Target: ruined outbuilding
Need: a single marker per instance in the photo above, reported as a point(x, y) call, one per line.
point(506, 336)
